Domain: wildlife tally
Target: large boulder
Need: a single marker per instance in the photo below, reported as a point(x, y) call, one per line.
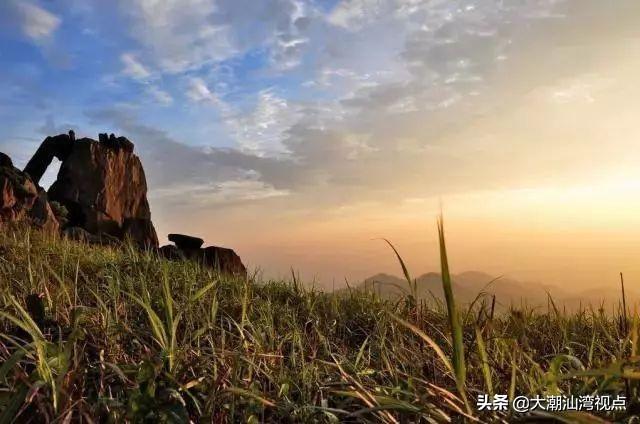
point(186, 242)
point(22, 200)
point(101, 184)
point(223, 260)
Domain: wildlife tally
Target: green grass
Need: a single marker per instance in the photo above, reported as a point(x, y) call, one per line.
point(130, 337)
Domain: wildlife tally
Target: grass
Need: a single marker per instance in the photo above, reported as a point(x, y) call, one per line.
point(129, 337)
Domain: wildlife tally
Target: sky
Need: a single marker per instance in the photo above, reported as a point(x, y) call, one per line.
point(299, 132)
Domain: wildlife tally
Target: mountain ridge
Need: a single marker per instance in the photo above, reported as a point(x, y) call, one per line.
point(468, 285)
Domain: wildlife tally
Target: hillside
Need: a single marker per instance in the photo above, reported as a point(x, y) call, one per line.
point(116, 335)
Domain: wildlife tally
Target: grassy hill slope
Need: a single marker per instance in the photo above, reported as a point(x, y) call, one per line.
point(128, 337)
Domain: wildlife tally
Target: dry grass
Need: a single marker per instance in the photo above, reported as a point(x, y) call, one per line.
point(129, 337)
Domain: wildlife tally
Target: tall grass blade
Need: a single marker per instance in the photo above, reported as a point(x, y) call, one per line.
point(486, 370)
point(454, 319)
point(412, 284)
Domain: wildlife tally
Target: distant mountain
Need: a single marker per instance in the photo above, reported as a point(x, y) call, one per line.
point(466, 287)
point(508, 291)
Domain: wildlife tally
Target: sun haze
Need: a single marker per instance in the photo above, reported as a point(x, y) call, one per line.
point(301, 132)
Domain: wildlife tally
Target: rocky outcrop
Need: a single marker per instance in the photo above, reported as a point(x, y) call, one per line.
point(58, 147)
point(22, 200)
point(101, 189)
point(186, 242)
point(99, 196)
point(82, 235)
point(116, 143)
point(101, 184)
point(224, 260)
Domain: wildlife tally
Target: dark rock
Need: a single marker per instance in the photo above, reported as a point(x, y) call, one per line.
point(104, 190)
point(125, 144)
point(59, 147)
point(116, 143)
point(5, 160)
point(21, 200)
point(42, 214)
point(221, 259)
point(140, 231)
point(82, 235)
point(171, 252)
point(186, 242)
point(224, 260)
point(72, 135)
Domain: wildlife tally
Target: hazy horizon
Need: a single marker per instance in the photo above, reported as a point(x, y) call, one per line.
point(299, 132)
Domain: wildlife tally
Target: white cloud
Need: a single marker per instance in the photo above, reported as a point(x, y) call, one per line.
point(353, 14)
point(36, 22)
point(178, 34)
point(133, 68)
point(187, 35)
point(386, 80)
point(225, 192)
point(263, 130)
point(289, 45)
point(199, 92)
point(159, 95)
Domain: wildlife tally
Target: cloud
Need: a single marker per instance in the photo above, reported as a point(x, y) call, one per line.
point(50, 127)
point(263, 130)
point(133, 68)
point(159, 95)
point(216, 194)
point(350, 102)
point(383, 117)
point(37, 23)
point(199, 92)
point(184, 35)
point(353, 14)
point(178, 35)
point(173, 165)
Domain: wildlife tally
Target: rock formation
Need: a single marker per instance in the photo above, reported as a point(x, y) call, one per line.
point(186, 242)
point(22, 200)
point(101, 184)
point(222, 259)
point(99, 196)
point(58, 147)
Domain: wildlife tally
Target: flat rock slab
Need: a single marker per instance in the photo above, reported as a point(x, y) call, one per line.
point(186, 242)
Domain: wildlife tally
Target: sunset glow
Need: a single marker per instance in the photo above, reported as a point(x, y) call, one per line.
point(299, 132)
